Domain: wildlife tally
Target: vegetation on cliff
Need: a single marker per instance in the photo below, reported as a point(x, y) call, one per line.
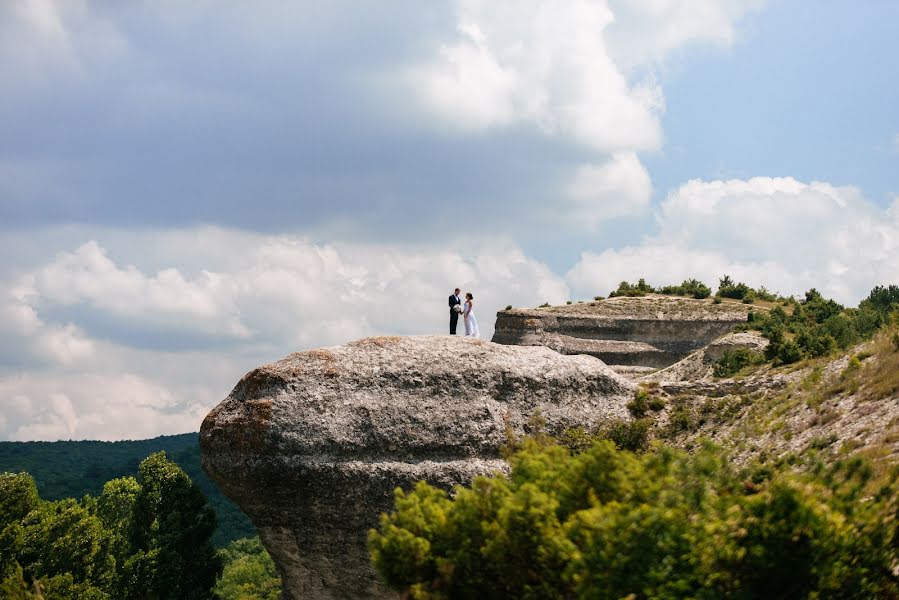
point(816, 326)
point(608, 523)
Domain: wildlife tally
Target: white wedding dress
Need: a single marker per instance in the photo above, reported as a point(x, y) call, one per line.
point(471, 323)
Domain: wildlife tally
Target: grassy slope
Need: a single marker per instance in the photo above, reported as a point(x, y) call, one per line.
point(834, 406)
point(73, 469)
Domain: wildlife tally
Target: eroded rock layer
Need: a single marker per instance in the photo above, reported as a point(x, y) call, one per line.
point(311, 447)
point(654, 331)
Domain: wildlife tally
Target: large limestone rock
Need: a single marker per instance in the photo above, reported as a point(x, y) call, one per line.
point(630, 334)
point(312, 446)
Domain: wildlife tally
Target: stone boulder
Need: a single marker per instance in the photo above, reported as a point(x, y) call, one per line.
point(311, 447)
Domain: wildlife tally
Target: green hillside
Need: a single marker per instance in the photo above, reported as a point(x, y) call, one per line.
point(73, 469)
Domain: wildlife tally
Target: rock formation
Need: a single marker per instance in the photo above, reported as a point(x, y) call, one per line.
point(311, 447)
point(629, 334)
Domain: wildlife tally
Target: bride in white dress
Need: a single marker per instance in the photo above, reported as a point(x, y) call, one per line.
point(471, 323)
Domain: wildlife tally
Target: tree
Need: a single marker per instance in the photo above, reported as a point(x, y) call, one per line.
point(18, 497)
point(61, 543)
point(249, 572)
point(170, 535)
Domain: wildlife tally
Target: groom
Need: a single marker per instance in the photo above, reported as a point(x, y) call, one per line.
point(454, 301)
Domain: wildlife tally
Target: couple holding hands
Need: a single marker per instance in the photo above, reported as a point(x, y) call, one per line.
point(466, 310)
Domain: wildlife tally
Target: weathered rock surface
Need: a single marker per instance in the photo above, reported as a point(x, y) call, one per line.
point(312, 446)
point(652, 331)
point(699, 366)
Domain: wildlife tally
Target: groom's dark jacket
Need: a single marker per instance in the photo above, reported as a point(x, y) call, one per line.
point(453, 301)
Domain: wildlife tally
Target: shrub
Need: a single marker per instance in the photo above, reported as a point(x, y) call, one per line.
point(716, 300)
point(789, 352)
point(607, 523)
point(690, 287)
point(632, 436)
point(733, 361)
point(641, 288)
point(639, 404)
point(656, 403)
point(894, 339)
point(508, 307)
point(738, 291)
point(598, 298)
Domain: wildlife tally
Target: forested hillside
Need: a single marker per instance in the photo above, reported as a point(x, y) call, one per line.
point(73, 469)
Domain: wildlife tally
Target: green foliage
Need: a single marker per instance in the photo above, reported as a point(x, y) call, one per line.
point(508, 307)
point(632, 436)
point(146, 538)
point(72, 469)
point(734, 361)
point(607, 523)
point(690, 287)
point(18, 497)
point(171, 528)
point(882, 299)
point(641, 288)
point(738, 291)
point(249, 572)
point(639, 405)
point(14, 587)
point(818, 326)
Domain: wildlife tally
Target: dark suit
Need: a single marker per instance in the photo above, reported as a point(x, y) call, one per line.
point(454, 300)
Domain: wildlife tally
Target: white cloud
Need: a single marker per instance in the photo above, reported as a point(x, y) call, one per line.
point(778, 232)
point(648, 32)
point(541, 63)
point(164, 299)
point(85, 375)
point(619, 187)
point(95, 406)
point(567, 67)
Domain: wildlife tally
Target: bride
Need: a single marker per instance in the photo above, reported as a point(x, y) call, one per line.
point(471, 323)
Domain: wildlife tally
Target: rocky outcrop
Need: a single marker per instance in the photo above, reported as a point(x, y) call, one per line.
point(699, 366)
point(652, 331)
point(311, 447)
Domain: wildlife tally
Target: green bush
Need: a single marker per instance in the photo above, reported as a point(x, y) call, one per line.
point(639, 405)
point(632, 436)
point(249, 572)
point(607, 523)
point(738, 291)
point(733, 361)
point(641, 288)
point(690, 287)
point(789, 352)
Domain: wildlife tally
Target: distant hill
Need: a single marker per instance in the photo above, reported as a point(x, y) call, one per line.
point(73, 469)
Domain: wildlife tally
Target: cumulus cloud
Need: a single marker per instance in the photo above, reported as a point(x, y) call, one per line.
point(617, 188)
point(75, 368)
point(778, 232)
point(95, 406)
point(126, 122)
point(545, 64)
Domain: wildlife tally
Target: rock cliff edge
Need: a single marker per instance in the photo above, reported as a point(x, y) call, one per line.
point(311, 447)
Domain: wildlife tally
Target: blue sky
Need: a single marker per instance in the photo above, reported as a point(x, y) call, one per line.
point(188, 190)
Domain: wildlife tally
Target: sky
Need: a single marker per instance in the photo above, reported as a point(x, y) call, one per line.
point(190, 190)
